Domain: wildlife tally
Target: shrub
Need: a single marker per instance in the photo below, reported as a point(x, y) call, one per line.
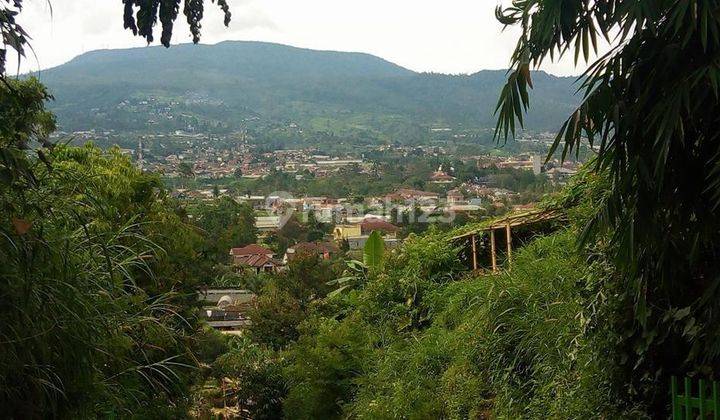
point(253, 376)
point(522, 344)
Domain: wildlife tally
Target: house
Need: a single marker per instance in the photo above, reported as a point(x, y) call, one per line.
point(455, 197)
point(441, 177)
point(267, 223)
point(346, 231)
point(406, 194)
point(369, 225)
point(324, 250)
point(256, 257)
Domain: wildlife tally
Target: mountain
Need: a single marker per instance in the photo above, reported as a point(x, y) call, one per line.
point(225, 85)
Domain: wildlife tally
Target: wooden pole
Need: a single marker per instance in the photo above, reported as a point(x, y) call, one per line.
point(492, 250)
point(474, 251)
point(509, 244)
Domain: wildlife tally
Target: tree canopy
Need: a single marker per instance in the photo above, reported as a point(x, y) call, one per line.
point(649, 109)
point(97, 278)
point(139, 16)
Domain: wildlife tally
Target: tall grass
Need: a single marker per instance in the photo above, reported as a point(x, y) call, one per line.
point(528, 343)
point(79, 337)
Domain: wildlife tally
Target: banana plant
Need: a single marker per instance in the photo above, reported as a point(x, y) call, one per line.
point(374, 250)
point(357, 272)
point(354, 275)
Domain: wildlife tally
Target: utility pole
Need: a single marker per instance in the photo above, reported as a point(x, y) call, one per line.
point(140, 161)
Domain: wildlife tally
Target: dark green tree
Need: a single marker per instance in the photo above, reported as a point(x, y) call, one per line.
point(285, 301)
point(276, 317)
point(649, 108)
point(95, 265)
point(225, 224)
point(260, 388)
point(186, 169)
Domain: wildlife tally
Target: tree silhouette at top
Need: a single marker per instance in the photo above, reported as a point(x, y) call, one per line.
point(139, 16)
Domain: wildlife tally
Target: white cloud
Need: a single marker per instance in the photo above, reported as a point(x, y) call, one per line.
point(452, 36)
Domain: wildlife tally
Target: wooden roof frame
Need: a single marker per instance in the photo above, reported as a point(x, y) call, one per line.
point(520, 219)
point(507, 223)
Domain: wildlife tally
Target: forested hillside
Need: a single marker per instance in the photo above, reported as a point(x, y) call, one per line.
point(231, 82)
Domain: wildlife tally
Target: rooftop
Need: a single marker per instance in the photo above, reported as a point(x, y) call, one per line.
point(252, 249)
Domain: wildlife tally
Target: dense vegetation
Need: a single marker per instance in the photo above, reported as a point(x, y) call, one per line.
point(649, 107)
point(422, 338)
point(386, 176)
point(97, 277)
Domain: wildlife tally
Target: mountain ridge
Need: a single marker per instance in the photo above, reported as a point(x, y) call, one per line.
point(277, 82)
point(275, 44)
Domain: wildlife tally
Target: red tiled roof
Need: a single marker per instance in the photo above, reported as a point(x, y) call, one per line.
point(442, 176)
point(370, 224)
point(255, 260)
point(252, 249)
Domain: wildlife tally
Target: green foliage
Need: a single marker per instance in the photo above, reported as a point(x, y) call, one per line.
point(225, 224)
point(257, 383)
point(186, 169)
point(373, 251)
point(232, 276)
point(12, 35)
point(545, 342)
point(275, 317)
point(659, 150)
point(531, 343)
point(141, 16)
point(340, 340)
point(306, 276)
point(95, 280)
point(285, 301)
point(125, 196)
point(322, 366)
point(209, 344)
point(354, 275)
point(22, 111)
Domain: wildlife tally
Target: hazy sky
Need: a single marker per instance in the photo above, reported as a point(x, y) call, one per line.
point(448, 36)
